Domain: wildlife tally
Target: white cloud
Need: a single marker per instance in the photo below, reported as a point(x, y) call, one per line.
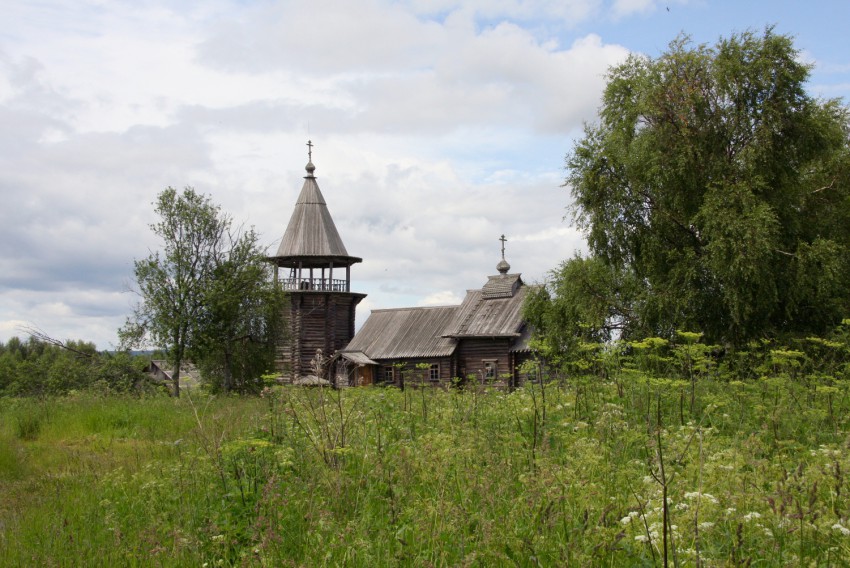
point(566, 12)
point(92, 315)
point(394, 72)
point(623, 8)
point(441, 298)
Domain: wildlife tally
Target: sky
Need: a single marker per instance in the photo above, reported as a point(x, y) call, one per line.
point(438, 126)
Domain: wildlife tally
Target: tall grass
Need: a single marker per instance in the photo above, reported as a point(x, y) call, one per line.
point(753, 472)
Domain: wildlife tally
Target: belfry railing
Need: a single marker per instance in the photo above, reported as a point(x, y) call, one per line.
point(315, 284)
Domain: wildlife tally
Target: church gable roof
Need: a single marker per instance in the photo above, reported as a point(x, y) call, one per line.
point(493, 316)
point(405, 333)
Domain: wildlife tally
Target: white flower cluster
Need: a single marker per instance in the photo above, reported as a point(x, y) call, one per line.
point(827, 451)
point(690, 496)
point(628, 519)
point(842, 529)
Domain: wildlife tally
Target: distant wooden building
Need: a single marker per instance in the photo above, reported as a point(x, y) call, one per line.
point(314, 268)
point(161, 372)
point(484, 339)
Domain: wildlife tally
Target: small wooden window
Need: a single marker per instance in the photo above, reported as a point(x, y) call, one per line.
point(388, 374)
point(490, 369)
point(434, 372)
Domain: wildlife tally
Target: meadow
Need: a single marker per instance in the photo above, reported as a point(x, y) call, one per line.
point(647, 455)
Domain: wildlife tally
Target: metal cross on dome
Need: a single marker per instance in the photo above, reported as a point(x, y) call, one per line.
point(504, 240)
point(309, 150)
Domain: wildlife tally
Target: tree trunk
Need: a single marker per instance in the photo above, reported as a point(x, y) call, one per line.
point(175, 380)
point(228, 374)
point(178, 362)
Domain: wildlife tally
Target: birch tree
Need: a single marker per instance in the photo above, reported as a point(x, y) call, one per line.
point(714, 180)
point(207, 295)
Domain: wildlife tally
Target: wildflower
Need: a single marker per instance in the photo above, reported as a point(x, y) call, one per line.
point(752, 515)
point(706, 525)
point(697, 495)
point(842, 529)
point(642, 538)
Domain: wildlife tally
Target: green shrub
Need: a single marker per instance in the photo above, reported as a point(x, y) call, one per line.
point(28, 425)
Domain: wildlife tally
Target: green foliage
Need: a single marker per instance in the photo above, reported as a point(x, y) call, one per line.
point(208, 297)
point(37, 367)
point(641, 448)
point(586, 300)
point(241, 318)
point(719, 188)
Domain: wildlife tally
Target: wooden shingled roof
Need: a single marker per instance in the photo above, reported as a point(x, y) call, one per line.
point(405, 333)
point(490, 315)
point(311, 235)
point(501, 286)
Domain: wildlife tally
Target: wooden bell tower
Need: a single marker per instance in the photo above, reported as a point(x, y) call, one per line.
point(314, 268)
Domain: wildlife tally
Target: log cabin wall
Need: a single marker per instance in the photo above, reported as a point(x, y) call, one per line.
point(473, 355)
point(409, 371)
point(520, 374)
point(316, 320)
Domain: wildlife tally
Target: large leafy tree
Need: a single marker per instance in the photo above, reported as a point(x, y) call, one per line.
point(192, 294)
point(716, 182)
point(242, 317)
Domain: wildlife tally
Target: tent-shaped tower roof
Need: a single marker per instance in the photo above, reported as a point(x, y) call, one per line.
point(311, 237)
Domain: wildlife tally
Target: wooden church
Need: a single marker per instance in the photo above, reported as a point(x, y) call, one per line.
point(484, 339)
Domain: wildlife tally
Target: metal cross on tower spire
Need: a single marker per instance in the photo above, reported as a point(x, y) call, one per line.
point(504, 240)
point(309, 150)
